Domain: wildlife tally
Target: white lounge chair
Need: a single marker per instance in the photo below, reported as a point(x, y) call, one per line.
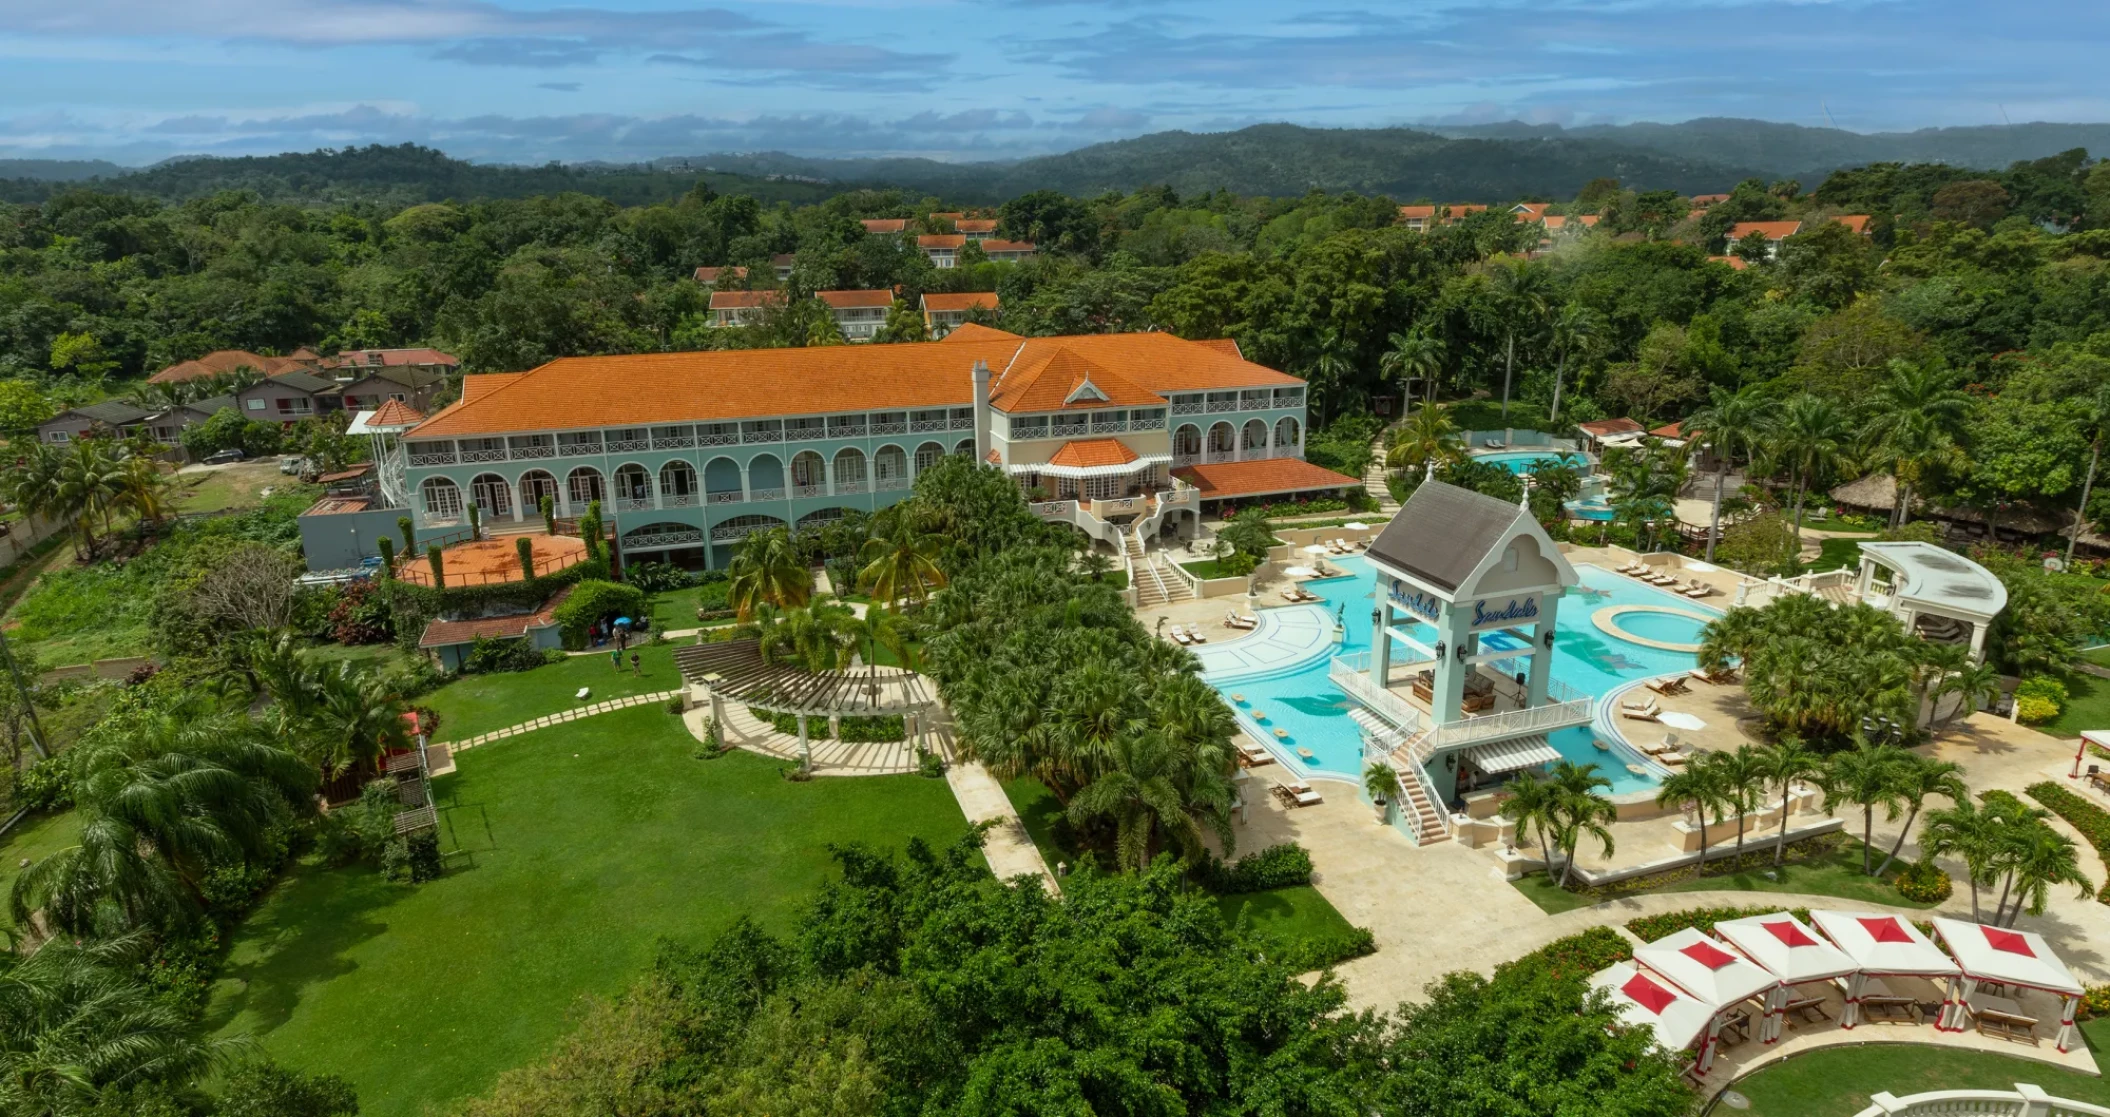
point(1179, 635)
point(1641, 715)
point(1637, 703)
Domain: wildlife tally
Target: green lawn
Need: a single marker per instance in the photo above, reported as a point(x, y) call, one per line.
point(675, 608)
point(2098, 656)
point(32, 839)
point(237, 487)
point(1838, 1081)
point(1837, 554)
point(379, 657)
point(481, 703)
point(1287, 914)
point(584, 845)
point(2087, 705)
point(1207, 568)
point(1486, 415)
point(1834, 874)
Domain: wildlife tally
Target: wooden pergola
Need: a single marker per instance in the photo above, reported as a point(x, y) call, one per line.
point(736, 670)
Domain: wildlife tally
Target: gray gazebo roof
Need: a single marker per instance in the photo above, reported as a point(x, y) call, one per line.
point(736, 669)
point(1443, 532)
point(1939, 580)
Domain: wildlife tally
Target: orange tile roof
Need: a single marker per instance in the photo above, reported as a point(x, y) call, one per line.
point(974, 225)
point(1051, 380)
point(1221, 480)
point(1774, 230)
point(440, 634)
point(885, 224)
point(784, 259)
point(358, 358)
point(1858, 222)
point(223, 361)
point(474, 387)
point(1222, 345)
point(848, 300)
point(946, 216)
point(1603, 427)
point(941, 240)
point(1007, 246)
point(1088, 452)
point(1670, 430)
point(745, 300)
point(1423, 212)
point(1736, 262)
point(975, 331)
point(628, 390)
point(711, 275)
point(965, 300)
point(395, 413)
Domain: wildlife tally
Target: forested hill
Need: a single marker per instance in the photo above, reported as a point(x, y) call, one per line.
point(1795, 151)
point(1282, 160)
point(402, 175)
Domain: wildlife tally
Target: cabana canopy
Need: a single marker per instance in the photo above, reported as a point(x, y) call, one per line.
point(1789, 951)
point(2019, 958)
point(1704, 969)
point(1884, 945)
point(1679, 1021)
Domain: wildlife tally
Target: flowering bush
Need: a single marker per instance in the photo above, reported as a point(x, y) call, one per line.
point(2032, 709)
point(1924, 882)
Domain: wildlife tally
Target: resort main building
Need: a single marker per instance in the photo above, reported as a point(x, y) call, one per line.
point(1122, 435)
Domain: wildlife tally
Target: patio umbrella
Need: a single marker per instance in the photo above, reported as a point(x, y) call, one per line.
point(1356, 525)
point(1316, 549)
point(1300, 571)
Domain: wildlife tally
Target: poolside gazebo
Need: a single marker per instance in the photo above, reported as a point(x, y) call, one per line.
point(1997, 956)
point(1934, 592)
point(737, 670)
point(1789, 951)
point(1679, 1020)
point(1885, 946)
point(1700, 966)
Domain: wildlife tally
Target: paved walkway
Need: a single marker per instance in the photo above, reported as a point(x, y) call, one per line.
point(585, 711)
point(1008, 847)
point(830, 757)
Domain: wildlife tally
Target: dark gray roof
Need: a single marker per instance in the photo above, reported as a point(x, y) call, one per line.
point(305, 382)
point(1442, 532)
point(112, 412)
point(210, 406)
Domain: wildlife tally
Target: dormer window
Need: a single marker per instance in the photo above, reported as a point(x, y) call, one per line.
point(1086, 390)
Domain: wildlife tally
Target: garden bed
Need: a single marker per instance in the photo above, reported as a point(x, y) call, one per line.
point(1828, 865)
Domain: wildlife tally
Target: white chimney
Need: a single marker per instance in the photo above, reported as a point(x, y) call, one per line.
point(981, 412)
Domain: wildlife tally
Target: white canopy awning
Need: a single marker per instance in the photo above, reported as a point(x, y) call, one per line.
point(1787, 949)
point(1883, 944)
point(1700, 966)
point(2019, 958)
point(1080, 472)
point(1678, 1020)
point(1514, 754)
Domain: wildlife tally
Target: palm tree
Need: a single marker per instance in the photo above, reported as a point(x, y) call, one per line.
point(1865, 776)
point(1969, 832)
point(1526, 297)
point(1696, 788)
point(1786, 762)
point(884, 628)
point(2038, 858)
point(1580, 808)
point(1917, 778)
point(767, 570)
point(1429, 436)
point(1731, 423)
point(1913, 425)
point(1976, 683)
point(1089, 709)
point(1743, 776)
point(1575, 331)
point(75, 1022)
point(1155, 788)
point(1411, 357)
point(900, 561)
point(1329, 371)
point(1382, 783)
point(1530, 806)
point(2097, 424)
point(1809, 438)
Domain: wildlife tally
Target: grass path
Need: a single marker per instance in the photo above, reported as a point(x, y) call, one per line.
point(33, 839)
point(1834, 874)
point(585, 844)
point(484, 703)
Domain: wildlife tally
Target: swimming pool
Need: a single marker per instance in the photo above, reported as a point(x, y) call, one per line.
point(1299, 699)
point(1523, 461)
point(1667, 627)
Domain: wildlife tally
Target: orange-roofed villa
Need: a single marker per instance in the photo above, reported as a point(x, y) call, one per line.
point(1126, 437)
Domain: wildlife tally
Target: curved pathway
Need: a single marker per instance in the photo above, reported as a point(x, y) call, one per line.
point(574, 714)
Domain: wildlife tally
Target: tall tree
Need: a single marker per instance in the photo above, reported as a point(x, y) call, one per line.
point(1526, 295)
point(1787, 762)
point(1917, 779)
point(767, 570)
point(1865, 776)
point(1913, 425)
point(1410, 357)
point(1698, 788)
point(2097, 424)
point(1809, 438)
point(1732, 424)
point(1575, 333)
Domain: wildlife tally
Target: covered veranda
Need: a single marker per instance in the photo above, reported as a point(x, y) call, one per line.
point(733, 678)
point(1934, 592)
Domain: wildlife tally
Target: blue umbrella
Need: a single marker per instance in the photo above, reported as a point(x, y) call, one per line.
point(622, 622)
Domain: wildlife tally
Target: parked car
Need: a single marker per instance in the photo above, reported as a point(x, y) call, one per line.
point(225, 456)
point(293, 464)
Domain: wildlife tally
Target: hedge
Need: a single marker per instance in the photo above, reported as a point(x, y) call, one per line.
point(1277, 866)
point(415, 606)
point(2092, 821)
point(1577, 956)
point(1306, 955)
point(1649, 928)
point(590, 601)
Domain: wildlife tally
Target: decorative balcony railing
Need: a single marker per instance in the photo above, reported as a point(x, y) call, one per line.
point(680, 442)
point(889, 428)
point(630, 446)
point(579, 449)
point(923, 426)
point(526, 453)
point(632, 503)
point(803, 491)
point(849, 488)
point(754, 495)
point(433, 459)
point(892, 484)
point(761, 436)
point(732, 496)
point(1191, 407)
point(805, 434)
point(472, 456)
point(729, 438)
point(677, 500)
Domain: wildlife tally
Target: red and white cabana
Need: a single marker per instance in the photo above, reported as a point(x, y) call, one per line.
point(1885, 946)
point(2017, 958)
point(1721, 978)
point(1679, 1021)
point(1790, 952)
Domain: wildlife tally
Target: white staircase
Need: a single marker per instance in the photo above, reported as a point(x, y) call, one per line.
point(1374, 476)
point(1155, 585)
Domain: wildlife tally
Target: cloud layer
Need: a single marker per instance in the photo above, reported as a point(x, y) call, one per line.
point(137, 80)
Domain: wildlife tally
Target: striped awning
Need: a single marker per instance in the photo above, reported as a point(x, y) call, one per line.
point(1513, 754)
point(1384, 732)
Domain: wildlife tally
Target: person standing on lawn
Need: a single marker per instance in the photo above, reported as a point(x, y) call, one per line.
point(637, 665)
point(615, 656)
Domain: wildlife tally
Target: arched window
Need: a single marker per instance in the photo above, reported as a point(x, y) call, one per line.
point(677, 484)
point(443, 501)
point(927, 455)
point(493, 495)
point(966, 447)
point(633, 486)
point(849, 470)
point(1254, 436)
point(1187, 441)
point(534, 485)
point(736, 529)
point(584, 486)
point(1286, 432)
point(721, 481)
point(809, 474)
point(765, 478)
point(1222, 442)
point(889, 469)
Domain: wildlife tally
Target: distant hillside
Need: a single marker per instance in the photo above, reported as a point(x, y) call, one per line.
point(57, 170)
point(1808, 154)
point(405, 174)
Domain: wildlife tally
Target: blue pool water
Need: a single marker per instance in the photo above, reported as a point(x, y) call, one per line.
point(1662, 626)
point(1523, 461)
point(1301, 700)
point(1593, 509)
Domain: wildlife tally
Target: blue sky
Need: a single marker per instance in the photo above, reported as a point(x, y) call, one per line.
point(138, 80)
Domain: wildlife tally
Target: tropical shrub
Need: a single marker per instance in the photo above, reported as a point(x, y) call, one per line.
point(2092, 821)
point(1317, 952)
point(228, 430)
point(1576, 956)
point(2095, 1002)
point(595, 600)
point(46, 785)
point(361, 615)
point(657, 577)
point(1649, 928)
point(489, 656)
point(1277, 866)
point(2047, 687)
point(2032, 709)
point(1924, 882)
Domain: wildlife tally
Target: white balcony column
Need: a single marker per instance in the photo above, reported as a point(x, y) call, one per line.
point(1381, 643)
point(658, 493)
point(828, 476)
